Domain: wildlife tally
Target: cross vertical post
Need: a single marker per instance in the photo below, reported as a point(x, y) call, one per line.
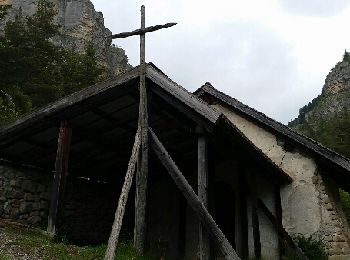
point(142, 163)
point(142, 174)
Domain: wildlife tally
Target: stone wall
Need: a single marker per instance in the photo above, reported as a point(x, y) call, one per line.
point(310, 204)
point(88, 207)
point(24, 195)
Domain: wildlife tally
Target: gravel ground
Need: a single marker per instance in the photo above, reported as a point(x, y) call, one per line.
point(9, 249)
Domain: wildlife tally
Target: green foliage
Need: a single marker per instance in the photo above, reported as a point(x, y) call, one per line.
point(345, 203)
point(34, 71)
point(35, 242)
point(3, 10)
point(313, 248)
point(346, 56)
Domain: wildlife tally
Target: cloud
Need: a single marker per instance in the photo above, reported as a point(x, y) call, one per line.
point(245, 60)
point(315, 7)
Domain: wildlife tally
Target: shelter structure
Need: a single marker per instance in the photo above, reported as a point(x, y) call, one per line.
point(258, 183)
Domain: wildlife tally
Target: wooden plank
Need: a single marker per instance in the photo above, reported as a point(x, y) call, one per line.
point(142, 30)
point(142, 174)
point(281, 231)
point(204, 242)
point(192, 199)
point(61, 171)
point(119, 213)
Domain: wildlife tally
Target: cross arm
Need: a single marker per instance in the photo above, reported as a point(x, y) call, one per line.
point(140, 31)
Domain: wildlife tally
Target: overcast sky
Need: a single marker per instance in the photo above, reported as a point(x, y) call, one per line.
point(272, 55)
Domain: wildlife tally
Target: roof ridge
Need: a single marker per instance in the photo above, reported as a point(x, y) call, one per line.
point(208, 88)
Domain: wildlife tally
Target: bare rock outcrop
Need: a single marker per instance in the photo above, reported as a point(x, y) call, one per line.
point(80, 23)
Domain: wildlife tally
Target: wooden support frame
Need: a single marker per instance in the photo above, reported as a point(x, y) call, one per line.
point(192, 199)
point(142, 173)
point(119, 213)
point(281, 231)
point(204, 242)
point(61, 172)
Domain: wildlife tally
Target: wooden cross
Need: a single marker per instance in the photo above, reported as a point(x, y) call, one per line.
point(142, 163)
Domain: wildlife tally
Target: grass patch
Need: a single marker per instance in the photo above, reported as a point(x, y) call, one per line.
point(37, 244)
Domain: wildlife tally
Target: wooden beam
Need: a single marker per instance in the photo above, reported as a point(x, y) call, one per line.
point(142, 30)
point(192, 199)
point(119, 213)
point(281, 231)
point(141, 177)
point(243, 227)
point(61, 171)
point(255, 219)
point(278, 208)
point(204, 242)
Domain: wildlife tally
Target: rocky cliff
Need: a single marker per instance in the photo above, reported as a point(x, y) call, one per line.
point(80, 23)
point(334, 99)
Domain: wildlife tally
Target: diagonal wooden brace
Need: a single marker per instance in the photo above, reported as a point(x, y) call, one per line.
point(192, 199)
point(119, 213)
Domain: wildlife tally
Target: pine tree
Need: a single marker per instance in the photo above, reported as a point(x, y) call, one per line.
point(34, 71)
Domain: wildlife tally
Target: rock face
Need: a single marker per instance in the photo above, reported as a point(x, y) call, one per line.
point(80, 23)
point(334, 100)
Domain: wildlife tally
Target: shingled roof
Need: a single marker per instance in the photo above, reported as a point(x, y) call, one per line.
point(207, 92)
point(106, 114)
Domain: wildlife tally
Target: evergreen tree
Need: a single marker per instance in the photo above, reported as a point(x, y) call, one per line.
point(34, 71)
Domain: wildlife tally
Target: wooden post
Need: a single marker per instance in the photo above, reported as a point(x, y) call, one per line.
point(141, 177)
point(242, 189)
point(255, 219)
point(192, 199)
point(204, 242)
point(61, 171)
point(119, 213)
point(278, 208)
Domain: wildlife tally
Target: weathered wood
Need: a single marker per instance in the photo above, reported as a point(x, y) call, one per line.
point(255, 219)
point(242, 190)
point(142, 30)
point(204, 242)
point(61, 171)
point(119, 213)
point(281, 231)
point(192, 199)
point(278, 208)
point(141, 178)
point(181, 95)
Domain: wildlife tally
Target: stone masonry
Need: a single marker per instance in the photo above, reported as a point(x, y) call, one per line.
point(310, 204)
point(24, 195)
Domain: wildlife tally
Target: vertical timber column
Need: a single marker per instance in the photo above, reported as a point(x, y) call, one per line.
point(142, 173)
point(61, 171)
point(278, 208)
point(204, 243)
point(255, 218)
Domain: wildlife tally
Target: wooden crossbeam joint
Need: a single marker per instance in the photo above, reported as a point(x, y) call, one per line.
point(142, 31)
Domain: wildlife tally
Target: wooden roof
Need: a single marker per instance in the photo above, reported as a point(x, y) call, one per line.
point(104, 121)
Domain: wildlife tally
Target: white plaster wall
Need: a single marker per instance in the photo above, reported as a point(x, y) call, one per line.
point(308, 207)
